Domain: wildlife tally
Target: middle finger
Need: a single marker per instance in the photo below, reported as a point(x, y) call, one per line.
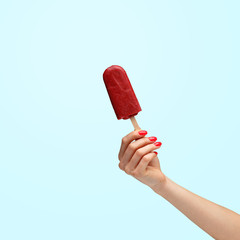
point(140, 153)
point(133, 147)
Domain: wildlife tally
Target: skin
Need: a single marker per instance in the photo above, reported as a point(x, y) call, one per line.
point(138, 159)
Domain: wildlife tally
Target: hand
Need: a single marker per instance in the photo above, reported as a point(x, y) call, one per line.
point(138, 158)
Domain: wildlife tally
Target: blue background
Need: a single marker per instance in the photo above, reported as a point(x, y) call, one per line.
point(59, 136)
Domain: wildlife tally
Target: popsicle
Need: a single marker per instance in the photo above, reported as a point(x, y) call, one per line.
point(121, 94)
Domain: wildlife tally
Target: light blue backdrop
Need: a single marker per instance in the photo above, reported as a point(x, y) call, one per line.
point(59, 137)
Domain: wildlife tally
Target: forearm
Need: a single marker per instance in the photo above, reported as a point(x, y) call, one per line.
point(219, 222)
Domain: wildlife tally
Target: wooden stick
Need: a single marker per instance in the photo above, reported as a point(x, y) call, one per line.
point(134, 123)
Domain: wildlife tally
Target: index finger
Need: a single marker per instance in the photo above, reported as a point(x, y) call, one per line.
point(129, 138)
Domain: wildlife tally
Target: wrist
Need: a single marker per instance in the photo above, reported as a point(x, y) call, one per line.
point(160, 187)
point(165, 188)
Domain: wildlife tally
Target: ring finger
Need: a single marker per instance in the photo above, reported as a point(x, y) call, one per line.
point(132, 147)
point(139, 154)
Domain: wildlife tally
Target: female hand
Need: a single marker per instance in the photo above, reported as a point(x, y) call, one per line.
point(138, 158)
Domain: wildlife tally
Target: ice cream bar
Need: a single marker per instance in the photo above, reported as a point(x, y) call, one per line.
point(120, 91)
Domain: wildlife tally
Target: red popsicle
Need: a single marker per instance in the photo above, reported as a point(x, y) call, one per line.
point(122, 96)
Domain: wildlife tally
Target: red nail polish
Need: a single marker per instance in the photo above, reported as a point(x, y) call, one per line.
point(153, 139)
point(156, 153)
point(158, 144)
point(142, 132)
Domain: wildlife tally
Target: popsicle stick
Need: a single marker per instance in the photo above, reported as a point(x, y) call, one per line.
point(134, 123)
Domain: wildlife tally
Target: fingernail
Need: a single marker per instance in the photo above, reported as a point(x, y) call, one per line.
point(158, 144)
point(142, 132)
point(153, 139)
point(156, 153)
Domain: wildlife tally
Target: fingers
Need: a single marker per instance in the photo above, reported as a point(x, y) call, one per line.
point(139, 154)
point(144, 162)
point(128, 139)
point(134, 147)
